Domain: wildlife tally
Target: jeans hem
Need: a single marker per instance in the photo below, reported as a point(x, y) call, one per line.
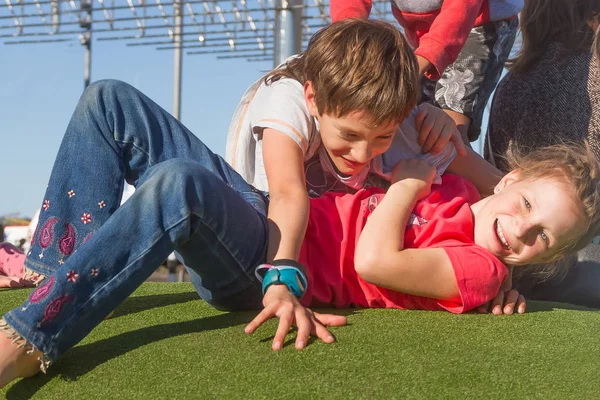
point(33, 277)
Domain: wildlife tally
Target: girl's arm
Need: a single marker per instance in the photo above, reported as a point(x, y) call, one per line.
point(289, 205)
point(380, 256)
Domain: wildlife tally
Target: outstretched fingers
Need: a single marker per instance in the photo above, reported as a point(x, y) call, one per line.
point(262, 317)
point(307, 322)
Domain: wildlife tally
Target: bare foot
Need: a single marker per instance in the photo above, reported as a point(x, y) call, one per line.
point(15, 362)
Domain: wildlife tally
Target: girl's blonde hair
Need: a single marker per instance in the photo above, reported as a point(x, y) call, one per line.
point(576, 165)
point(555, 21)
point(358, 65)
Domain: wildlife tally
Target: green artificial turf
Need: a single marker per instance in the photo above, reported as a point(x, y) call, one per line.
point(163, 343)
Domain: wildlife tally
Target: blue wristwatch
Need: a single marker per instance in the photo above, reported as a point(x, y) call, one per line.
point(283, 272)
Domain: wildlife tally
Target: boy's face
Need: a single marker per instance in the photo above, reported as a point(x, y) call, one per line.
point(351, 142)
point(528, 221)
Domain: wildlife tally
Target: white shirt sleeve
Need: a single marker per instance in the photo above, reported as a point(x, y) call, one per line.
point(405, 146)
point(281, 106)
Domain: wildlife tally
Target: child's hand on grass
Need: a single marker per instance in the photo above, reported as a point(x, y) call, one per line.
point(507, 301)
point(436, 129)
point(280, 303)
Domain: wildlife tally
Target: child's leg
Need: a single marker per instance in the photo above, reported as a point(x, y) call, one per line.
point(179, 204)
point(115, 133)
point(466, 85)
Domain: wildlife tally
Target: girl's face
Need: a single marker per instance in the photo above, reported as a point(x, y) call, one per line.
point(528, 221)
point(350, 141)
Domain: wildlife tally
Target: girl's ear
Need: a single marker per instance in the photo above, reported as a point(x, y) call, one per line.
point(309, 97)
point(507, 180)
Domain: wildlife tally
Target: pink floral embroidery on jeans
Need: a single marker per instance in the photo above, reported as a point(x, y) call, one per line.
point(46, 205)
point(55, 308)
point(89, 235)
point(86, 218)
point(42, 292)
point(66, 244)
point(72, 276)
point(47, 232)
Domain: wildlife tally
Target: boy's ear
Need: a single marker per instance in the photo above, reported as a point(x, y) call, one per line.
point(508, 179)
point(309, 97)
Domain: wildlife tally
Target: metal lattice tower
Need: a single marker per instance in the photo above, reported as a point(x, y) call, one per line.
point(256, 30)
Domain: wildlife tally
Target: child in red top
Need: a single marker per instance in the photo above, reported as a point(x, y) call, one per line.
point(438, 248)
point(461, 46)
point(443, 219)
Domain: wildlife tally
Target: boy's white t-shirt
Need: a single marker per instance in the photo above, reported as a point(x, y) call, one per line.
point(281, 106)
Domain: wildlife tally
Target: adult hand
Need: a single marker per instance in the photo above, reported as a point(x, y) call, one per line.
point(436, 129)
point(280, 303)
point(424, 64)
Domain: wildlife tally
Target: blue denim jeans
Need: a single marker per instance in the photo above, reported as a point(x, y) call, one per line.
point(95, 253)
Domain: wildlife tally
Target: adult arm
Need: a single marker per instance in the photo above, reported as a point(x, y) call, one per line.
point(448, 34)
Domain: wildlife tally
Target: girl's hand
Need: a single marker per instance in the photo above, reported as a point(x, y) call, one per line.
point(436, 129)
point(414, 174)
point(280, 303)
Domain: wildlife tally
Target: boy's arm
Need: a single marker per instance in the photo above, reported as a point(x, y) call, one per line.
point(380, 256)
point(477, 170)
point(342, 9)
point(448, 34)
point(288, 207)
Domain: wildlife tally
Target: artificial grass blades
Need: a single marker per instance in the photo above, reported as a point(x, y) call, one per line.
point(165, 343)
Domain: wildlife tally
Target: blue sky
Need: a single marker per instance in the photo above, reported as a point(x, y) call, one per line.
point(41, 83)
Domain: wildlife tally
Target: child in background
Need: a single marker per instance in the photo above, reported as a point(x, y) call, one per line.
point(461, 47)
point(414, 248)
point(550, 95)
point(11, 267)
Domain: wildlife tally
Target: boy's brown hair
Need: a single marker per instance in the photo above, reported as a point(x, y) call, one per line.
point(578, 167)
point(358, 65)
point(565, 22)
